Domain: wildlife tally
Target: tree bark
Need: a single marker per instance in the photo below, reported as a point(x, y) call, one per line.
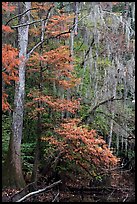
point(12, 174)
point(113, 114)
point(39, 130)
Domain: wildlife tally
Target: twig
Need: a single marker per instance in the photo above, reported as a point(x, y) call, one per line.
point(37, 21)
point(39, 191)
point(125, 198)
point(103, 102)
point(39, 43)
point(20, 15)
point(111, 194)
point(86, 54)
point(92, 111)
point(55, 197)
point(26, 24)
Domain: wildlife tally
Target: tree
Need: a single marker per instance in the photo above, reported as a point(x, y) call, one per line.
point(82, 146)
point(106, 61)
point(13, 161)
point(55, 67)
point(12, 173)
point(59, 72)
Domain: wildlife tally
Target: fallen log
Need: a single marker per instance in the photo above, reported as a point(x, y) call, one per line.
point(39, 191)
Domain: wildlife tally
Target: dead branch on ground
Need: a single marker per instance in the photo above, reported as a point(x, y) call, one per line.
point(39, 191)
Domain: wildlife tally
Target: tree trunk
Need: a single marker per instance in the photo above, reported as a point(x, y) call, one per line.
point(76, 9)
point(12, 174)
point(113, 113)
point(37, 150)
point(39, 130)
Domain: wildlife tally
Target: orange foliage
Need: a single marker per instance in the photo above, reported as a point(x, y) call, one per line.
point(58, 55)
point(7, 7)
point(5, 104)
point(34, 31)
point(42, 5)
point(10, 60)
point(9, 63)
point(82, 145)
point(57, 68)
point(115, 3)
point(7, 29)
point(59, 24)
point(56, 104)
point(59, 62)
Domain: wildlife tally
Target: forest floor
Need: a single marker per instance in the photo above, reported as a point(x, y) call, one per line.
point(121, 189)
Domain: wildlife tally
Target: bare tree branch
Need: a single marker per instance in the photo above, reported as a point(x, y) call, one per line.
point(86, 54)
point(20, 15)
point(55, 197)
point(91, 112)
point(37, 45)
point(125, 198)
point(21, 25)
point(39, 191)
point(52, 37)
point(37, 21)
point(106, 101)
point(23, 192)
